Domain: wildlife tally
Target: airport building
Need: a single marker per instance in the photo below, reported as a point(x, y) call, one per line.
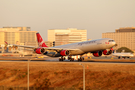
point(19, 28)
point(18, 35)
point(124, 37)
point(49, 43)
point(66, 36)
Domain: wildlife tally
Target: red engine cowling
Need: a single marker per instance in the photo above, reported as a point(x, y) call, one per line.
point(64, 53)
point(97, 54)
point(40, 50)
point(106, 52)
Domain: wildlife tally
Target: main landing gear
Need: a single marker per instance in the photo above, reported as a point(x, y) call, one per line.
point(81, 58)
point(71, 58)
point(61, 58)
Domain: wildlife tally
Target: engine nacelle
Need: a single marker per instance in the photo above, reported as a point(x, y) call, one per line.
point(107, 52)
point(40, 50)
point(64, 53)
point(97, 54)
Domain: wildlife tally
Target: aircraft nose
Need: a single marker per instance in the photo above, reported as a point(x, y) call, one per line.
point(114, 43)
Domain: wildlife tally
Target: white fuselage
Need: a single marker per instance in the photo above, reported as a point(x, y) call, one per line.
point(89, 46)
point(123, 54)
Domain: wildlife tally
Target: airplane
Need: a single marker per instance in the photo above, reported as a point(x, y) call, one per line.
point(123, 55)
point(97, 47)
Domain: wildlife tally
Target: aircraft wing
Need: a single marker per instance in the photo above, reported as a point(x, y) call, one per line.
point(24, 46)
point(46, 48)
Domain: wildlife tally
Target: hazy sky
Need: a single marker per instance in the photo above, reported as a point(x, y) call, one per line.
point(96, 16)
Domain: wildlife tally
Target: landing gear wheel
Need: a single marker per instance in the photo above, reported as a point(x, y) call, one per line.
point(72, 59)
point(80, 59)
point(64, 58)
point(61, 59)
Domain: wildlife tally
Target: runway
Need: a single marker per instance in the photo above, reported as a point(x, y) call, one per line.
point(108, 60)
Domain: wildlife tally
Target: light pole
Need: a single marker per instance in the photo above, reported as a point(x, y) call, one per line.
point(83, 75)
point(28, 74)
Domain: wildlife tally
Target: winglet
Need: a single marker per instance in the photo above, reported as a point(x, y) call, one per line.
point(41, 43)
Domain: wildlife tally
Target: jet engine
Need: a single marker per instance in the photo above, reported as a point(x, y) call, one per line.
point(107, 52)
point(64, 53)
point(39, 50)
point(97, 54)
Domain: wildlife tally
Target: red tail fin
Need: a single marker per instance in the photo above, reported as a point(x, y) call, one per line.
point(40, 41)
point(6, 42)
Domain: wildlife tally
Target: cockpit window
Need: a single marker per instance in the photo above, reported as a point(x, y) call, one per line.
point(111, 41)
